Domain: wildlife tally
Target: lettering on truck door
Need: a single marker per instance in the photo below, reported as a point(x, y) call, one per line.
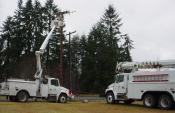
point(53, 88)
point(120, 86)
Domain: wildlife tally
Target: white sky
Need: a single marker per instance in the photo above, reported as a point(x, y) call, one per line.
point(149, 23)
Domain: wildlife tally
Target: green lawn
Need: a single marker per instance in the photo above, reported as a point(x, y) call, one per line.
point(75, 107)
point(2, 97)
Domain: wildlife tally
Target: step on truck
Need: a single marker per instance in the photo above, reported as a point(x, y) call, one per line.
point(152, 83)
point(42, 87)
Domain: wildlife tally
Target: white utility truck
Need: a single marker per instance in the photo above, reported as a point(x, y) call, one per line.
point(152, 83)
point(45, 88)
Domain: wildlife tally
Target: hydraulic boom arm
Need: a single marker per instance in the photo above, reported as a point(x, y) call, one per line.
point(40, 52)
point(38, 74)
point(58, 23)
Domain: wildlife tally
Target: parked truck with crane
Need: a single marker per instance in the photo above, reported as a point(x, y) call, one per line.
point(153, 83)
point(45, 88)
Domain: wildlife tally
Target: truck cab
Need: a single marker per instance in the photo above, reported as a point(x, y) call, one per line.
point(55, 91)
point(118, 89)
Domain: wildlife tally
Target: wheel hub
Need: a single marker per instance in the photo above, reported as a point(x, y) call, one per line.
point(109, 98)
point(148, 101)
point(22, 97)
point(165, 102)
point(63, 99)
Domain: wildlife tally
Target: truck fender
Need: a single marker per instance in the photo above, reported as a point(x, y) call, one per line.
point(60, 96)
point(24, 91)
point(62, 93)
point(111, 92)
point(108, 92)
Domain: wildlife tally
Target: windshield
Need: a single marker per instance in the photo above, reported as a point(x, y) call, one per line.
point(55, 82)
point(119, 78)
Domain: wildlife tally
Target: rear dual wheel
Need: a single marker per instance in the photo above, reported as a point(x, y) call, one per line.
point(165, 101)
point(149, 100)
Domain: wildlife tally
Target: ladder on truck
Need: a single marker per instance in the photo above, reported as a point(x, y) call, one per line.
point(133, 66)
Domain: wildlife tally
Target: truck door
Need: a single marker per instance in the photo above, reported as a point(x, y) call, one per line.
point(44, 88)
point(121, 84)
point(53, 87)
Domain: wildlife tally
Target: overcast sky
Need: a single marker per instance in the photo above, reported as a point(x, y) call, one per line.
point(149, 23)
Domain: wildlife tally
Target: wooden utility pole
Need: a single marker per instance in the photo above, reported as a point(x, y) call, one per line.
point(61, 55)
point(61, 18)
point(70, 77)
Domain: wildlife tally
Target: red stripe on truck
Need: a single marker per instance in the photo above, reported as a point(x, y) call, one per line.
point(151, 81)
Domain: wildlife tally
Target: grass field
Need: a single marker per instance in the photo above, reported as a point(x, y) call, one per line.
point(75, 107)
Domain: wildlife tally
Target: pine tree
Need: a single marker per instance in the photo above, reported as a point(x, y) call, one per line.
point(18, 41)
point(24, 33)
point(39, 26)
point(50, 13)
point(28, 22)
point(7, 51)
point(104, 49)
point(75, 59)
point(12, 41)
point(126, 47)
point(112, 22)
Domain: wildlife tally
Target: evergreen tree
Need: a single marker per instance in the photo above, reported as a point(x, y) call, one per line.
point(83, 44)
point(112, 22)
point(22, 35)
point(126, 47)
point(75, 59)
point(50, 13)
point(12, 41)
point(19, 33)
point(104, 49)
point(28, 22)
point(7, 51)
point(39, 26)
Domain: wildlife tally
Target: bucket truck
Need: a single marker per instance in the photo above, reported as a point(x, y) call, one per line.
point(153, 83)
point(45, 88)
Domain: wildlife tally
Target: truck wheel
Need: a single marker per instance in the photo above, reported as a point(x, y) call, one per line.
point(22, 96)
point(149, 101)
point(63, 98)
point(165, 101)
point(110, 98)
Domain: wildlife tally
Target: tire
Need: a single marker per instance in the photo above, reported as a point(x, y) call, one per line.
point(22, 96)
point(63, 98)
point(12, 98)
point(128, 101)
point(165, 102)
point(149, 101)
point(110, 98)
